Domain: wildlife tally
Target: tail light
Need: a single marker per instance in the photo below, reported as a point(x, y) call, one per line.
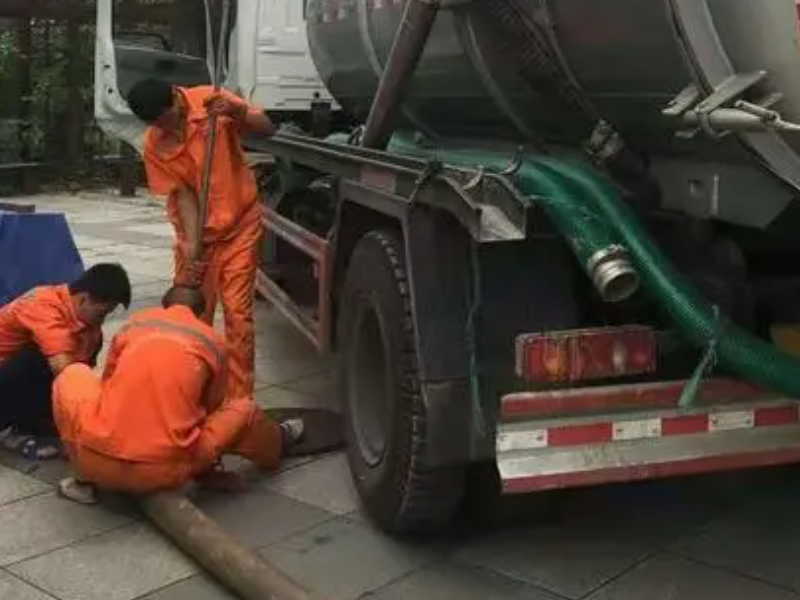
point(584, 354)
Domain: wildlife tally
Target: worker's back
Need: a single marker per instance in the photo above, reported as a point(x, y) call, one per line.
point(160, 371)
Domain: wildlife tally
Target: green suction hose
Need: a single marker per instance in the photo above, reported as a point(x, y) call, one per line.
point(587, 210)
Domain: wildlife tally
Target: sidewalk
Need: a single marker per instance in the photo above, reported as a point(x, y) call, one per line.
point(724, 537)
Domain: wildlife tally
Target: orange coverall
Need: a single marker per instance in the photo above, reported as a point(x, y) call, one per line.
point(159, 416)
point(233, 226)
point(45, 316)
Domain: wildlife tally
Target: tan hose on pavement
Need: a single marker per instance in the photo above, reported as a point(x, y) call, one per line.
point(236, 566)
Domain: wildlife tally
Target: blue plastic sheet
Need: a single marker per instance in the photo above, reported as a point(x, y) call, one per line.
point(35, 249)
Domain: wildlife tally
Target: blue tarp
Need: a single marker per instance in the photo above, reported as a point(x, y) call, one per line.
point(35, 249)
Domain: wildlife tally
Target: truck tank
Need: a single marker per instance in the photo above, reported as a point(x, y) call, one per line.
point(706, 91)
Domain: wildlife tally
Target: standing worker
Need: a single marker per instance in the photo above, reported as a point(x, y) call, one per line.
point(224, 262)
point(41, 333)
point(160, 416)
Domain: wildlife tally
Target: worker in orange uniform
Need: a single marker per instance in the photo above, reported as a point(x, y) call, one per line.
point(160, 417)
point(41, 333)
point(225, 263)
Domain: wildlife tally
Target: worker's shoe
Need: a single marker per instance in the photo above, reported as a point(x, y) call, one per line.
point(77, 491)
point(293, 431)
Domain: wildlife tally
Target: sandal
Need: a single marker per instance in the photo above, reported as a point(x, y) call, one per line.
point(29, 446)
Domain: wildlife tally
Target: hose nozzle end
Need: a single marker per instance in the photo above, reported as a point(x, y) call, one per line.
point(613, 274)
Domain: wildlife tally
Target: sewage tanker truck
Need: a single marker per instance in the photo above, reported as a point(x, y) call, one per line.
point(560, 239)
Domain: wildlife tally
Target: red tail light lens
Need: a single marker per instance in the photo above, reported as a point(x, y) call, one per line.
point(584, 354)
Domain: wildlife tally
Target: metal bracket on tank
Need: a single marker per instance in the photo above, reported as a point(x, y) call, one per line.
point(724, 112)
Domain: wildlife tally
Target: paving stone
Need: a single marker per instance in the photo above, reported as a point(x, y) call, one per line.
point(454, 581)
point(325, 483)
point(163, 229)
point(280, 397)
point(285, 370)
point(119, 565)
point(46, 471)
point(16, 486)
point(568, 562)
point(43, 523)
point(343, 559)
point(197, 587)
point(259, 517)
point(322, 385)
point(672, 578)
point(11, 588)
point(756, 540)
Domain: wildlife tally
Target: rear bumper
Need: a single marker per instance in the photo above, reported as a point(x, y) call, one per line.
point(547, 469)
point(591, 436)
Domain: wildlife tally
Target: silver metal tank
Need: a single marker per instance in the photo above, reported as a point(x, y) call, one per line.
point(707, 90)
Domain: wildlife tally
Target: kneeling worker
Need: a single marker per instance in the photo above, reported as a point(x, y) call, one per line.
point(41, 333)
point(160, 417)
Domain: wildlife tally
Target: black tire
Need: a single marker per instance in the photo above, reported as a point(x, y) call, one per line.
point(384, 417)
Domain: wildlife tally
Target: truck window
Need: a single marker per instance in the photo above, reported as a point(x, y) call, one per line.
point(164, 39)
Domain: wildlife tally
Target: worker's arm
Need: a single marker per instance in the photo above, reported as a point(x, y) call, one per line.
point(189, 215)
point(50, 333)
point(227, 418)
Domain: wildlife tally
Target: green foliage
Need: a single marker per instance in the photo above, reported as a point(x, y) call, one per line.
point(48, 95)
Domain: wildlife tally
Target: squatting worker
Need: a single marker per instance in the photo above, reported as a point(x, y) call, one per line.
point(42, 332)
point(175, 144)
point(160, 417)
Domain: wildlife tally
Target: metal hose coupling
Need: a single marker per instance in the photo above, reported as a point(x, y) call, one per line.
point(613, 274)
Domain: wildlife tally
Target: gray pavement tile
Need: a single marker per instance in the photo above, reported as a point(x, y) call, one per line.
point(43, 523)
point(757, 540)
point(119, 565)
point(259, 517)
point(151, 289)
point(343, 559)
point(47, 471)
point(162, 229)
point(16, 486)
point(566, 560)
point(281, 397)
point(198, 587)
point(322, 385)
point(11, 588)
point(325, 483)
point(666, 577)
point(451, 581)
point(595, 535)
point(284, 370)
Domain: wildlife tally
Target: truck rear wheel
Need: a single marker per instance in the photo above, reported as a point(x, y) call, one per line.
point(385, 421)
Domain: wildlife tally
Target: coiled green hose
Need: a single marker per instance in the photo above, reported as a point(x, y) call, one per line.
point(589, 213)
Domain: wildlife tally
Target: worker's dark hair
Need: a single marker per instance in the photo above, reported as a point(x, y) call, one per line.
point(104, 282)
point(185, 296)
point(150, 98)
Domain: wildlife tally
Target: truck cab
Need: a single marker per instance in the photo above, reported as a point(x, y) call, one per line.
point(268, 62)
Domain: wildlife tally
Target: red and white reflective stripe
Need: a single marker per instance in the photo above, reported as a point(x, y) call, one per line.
point(512, 438)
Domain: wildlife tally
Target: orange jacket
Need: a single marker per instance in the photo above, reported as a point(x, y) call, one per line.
point(233, 191)
point(164, 382)
point(46, 316)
